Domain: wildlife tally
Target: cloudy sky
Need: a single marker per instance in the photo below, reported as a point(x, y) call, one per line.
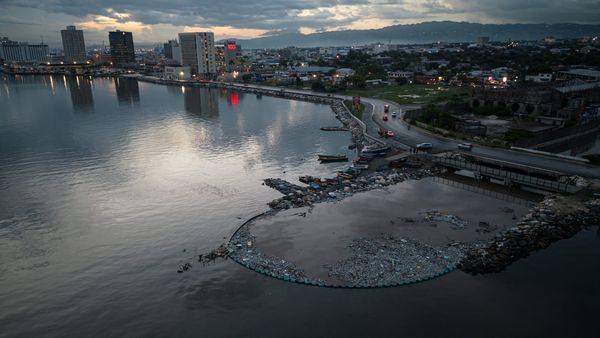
point(158, 20)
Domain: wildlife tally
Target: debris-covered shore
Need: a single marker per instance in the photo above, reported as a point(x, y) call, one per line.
point(337, 188)
point(387, 260)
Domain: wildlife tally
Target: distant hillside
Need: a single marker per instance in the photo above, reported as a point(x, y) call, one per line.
point(426, 32)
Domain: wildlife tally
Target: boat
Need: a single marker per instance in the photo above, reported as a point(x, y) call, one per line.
point(375, 149)
point(333, 158)
point(306, 179)
point(334, 128)
point(360, 166)
point(345, 175)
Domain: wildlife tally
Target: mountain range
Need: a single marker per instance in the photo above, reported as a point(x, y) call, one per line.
point(426, 32)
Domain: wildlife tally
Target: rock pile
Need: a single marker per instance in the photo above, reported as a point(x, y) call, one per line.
point(338, 188)
point(391, 261)
point(434, 215)
point(544, 225)
point(342, 114)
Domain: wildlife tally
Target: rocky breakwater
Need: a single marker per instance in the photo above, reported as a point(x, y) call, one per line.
point(241, 249)
point(553, 219)
point(344, 116)
point(337, 188)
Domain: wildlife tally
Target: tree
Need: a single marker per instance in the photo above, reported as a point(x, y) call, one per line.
point(246, 77)
point(318, 86)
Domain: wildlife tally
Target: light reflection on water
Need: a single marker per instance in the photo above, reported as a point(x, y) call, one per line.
point(104, 184)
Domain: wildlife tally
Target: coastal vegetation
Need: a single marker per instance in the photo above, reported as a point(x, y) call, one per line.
point(358, 112)
point(413, 93)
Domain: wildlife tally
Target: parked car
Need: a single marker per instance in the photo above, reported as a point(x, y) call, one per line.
point(465, 146)
point(424, 146)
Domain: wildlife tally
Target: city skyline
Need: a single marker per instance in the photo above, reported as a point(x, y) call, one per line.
point(160, 21)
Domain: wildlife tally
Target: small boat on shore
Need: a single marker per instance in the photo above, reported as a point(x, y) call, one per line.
point(334, 129)
point(333, 158)
point(306, 179)
point(360, 166)
point(375, 149)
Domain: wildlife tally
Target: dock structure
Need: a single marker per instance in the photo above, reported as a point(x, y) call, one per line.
point(510, 174)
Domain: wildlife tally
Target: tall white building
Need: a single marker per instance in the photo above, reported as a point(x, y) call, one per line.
point(198, 52)
point(22, 51)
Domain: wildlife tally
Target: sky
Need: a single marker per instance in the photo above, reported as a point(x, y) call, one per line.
point(154, 21)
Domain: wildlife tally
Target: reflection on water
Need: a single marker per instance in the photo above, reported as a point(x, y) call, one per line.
point(80, 88)
point(98, 210)
point(201, 102)
point(499, 192)
point(128, 91)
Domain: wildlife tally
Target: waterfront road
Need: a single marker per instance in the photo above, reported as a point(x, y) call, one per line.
point(407, 138)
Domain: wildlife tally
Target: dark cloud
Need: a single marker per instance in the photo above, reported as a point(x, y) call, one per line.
point(276, 16)
point(9, 20)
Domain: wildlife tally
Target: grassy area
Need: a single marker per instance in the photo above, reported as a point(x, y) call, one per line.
point(514, 135)
point(593, 158)
point(356, 112)
point(413, 93)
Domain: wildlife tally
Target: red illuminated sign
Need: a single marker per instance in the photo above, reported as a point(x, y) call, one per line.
point(231, 46)
point(234, 98)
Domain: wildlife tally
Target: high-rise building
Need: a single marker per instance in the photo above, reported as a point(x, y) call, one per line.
point(172, 51)
point(73, 44)
point(232, 54)
point(198, 52)
point(22, 51)
point(121, 48)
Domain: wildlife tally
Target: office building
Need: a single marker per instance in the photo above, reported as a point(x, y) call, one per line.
point(73, 44)
point(172, 51)
point(121, 48)
point(198, 52)
point(232, 52)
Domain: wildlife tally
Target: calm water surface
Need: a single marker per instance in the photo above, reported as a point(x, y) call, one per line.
point(106, 186)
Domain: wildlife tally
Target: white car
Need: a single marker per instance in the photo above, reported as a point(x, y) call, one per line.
point(424, 146)
point(394, 114)
point(465, 146)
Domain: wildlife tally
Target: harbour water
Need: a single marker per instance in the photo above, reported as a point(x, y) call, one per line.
point(107, 185)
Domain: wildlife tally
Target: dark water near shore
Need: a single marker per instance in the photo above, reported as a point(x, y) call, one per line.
point(318, 237)
point(104, 183)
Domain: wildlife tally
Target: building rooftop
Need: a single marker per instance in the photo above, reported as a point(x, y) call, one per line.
point(578, 87)
point(583, 72)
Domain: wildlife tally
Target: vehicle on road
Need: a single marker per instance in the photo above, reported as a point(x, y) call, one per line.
point(385, 117)
point(394, 114)
point(386, 108)
point(424, 146)
point(389, 133)
point(465, 146)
